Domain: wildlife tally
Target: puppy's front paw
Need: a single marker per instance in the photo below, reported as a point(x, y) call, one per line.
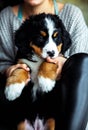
point(13, 91)
point(46, 84)
point(47, 76)
point(15, 84)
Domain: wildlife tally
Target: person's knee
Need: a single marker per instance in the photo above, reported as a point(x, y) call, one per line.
point(75, 69)
point(76, 63)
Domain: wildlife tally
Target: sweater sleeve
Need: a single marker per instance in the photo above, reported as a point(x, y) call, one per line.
point(7, 47)
point(79, 32)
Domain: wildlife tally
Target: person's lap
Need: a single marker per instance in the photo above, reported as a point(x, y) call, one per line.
point(75, 87)
point(75, 96)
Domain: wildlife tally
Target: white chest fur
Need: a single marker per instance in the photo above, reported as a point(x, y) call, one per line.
point(41, 83)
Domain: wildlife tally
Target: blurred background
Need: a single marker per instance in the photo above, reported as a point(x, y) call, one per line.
point(82, 4)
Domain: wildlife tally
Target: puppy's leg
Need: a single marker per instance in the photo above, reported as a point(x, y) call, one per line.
point(50, 124)
point(25, 125)
point(38, 124)
point(15, 83)
point(47, 76)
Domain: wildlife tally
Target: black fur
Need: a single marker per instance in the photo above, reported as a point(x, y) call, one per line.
point(47, 105)
point(30, 31)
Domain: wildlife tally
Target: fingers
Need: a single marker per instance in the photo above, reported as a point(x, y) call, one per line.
point(60, 60)
point(24, 66)
point(14, 67)
point(55, 60)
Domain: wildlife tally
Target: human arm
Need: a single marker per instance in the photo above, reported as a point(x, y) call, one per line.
point(8, 25)
point(75, 24)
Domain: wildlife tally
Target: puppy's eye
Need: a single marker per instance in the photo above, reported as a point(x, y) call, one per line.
point(55, 34)
point(43, 33)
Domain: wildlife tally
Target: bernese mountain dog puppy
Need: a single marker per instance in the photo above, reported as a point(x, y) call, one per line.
point(37, 38)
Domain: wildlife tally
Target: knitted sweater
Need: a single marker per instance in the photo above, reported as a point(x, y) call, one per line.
point(72, 18)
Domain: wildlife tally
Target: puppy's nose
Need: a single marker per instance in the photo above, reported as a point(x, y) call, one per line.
point(51, 53)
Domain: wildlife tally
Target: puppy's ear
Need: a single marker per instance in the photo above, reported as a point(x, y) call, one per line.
point(21, 35)
point(66, 38)
point(22, 39)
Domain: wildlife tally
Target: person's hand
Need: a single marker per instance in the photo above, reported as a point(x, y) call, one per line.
point(14, 67)
point(60, 60)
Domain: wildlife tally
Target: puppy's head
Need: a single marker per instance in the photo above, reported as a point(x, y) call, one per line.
point(43, 34)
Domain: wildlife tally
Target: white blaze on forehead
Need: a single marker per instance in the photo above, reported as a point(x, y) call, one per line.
point(51, 45)
point(50, 26)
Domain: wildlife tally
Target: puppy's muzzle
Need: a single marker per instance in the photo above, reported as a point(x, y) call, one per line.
point(51, 53)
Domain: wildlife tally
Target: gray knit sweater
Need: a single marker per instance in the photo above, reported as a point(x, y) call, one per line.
point(72, 18)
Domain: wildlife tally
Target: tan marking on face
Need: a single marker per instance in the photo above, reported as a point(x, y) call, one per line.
point(59, 47)
point(48, 70)
point(55, 34)
point(36, 49)
point(43, 33)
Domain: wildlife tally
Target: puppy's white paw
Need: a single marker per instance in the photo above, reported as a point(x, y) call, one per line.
point(13, 91)
point(46, 84)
